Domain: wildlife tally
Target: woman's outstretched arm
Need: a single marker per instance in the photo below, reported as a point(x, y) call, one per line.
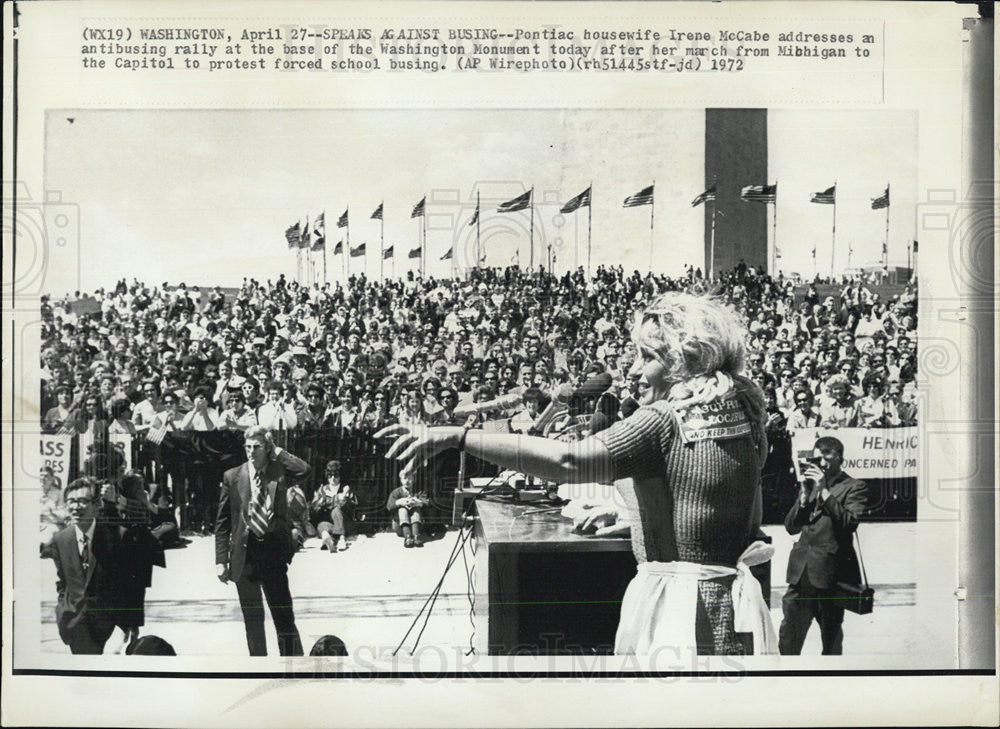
point(574, 462)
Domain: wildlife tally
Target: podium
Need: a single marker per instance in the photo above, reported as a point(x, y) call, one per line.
point(541, 588)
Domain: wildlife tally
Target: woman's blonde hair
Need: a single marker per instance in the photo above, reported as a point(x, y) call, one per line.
point(834, 381)
point(691, 335)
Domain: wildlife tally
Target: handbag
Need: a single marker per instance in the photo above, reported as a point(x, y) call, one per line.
point(858, 599)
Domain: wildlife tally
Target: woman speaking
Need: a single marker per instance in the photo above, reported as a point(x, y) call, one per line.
point(693, 451)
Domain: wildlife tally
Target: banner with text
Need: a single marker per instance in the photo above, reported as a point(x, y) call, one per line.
point(123, 442)
point(868, 453)
point(55, 455)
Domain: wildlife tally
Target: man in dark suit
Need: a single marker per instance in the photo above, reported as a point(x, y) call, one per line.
point(826, 516)
point(84, 553)
point(253, 538)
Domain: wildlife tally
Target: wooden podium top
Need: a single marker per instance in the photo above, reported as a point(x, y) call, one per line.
point(510, 527)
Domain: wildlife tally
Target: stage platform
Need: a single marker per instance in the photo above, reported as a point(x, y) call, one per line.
point(369, 595)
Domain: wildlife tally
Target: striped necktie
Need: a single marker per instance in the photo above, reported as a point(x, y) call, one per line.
point(85, 553)
point(260, 514)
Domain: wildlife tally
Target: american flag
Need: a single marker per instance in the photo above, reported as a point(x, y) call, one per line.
point(342, 223)
point(882, 201)
point(580, 201)
point(707, 196)
point(377, 215)
point(292, 235)
point(760, 193)
point(643, 197)
point(418, 211)
point(521, 202)
point(827, 197)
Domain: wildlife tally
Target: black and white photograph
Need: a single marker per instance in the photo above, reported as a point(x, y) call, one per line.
point(453, 390)
point(514, 330)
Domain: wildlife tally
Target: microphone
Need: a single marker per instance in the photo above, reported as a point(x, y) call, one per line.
point(590, 390)
point(575, 399)
point(598, 422)
point(561, 397)
point(605, 414)
point(629, 406)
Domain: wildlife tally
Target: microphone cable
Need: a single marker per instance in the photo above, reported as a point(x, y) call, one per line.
point(462, 538)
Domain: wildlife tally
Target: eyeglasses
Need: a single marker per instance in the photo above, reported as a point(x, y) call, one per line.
point(79, 502)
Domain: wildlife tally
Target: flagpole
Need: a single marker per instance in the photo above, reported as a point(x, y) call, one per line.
point(381, 237)
point(347, 253)
point(590, 215)
point(833, 240)
point(308, 247)
point(652, 206)
point(324, 255)
point(576, 251)
point(479, 243)
point(423, 247)
point(774, 227)
point(885, 248)
point(531, 204)
point(711, 241)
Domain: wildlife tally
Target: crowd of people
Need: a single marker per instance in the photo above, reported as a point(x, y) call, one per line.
point(150, 360)
point(279, 356)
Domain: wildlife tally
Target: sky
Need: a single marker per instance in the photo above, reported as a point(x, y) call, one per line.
point(204, 197)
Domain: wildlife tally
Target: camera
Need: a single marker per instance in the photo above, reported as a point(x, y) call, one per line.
point(804, 464)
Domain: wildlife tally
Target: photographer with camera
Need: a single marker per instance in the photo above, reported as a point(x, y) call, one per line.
point(825, 516)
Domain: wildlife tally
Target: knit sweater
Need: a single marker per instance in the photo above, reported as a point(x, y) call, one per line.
point(695, 494)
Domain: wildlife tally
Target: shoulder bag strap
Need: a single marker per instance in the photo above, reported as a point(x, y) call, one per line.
point(861, 560)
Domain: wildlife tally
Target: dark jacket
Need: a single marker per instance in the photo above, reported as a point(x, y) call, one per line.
point(234, 499)
point(826, 530)
point(85, 596)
